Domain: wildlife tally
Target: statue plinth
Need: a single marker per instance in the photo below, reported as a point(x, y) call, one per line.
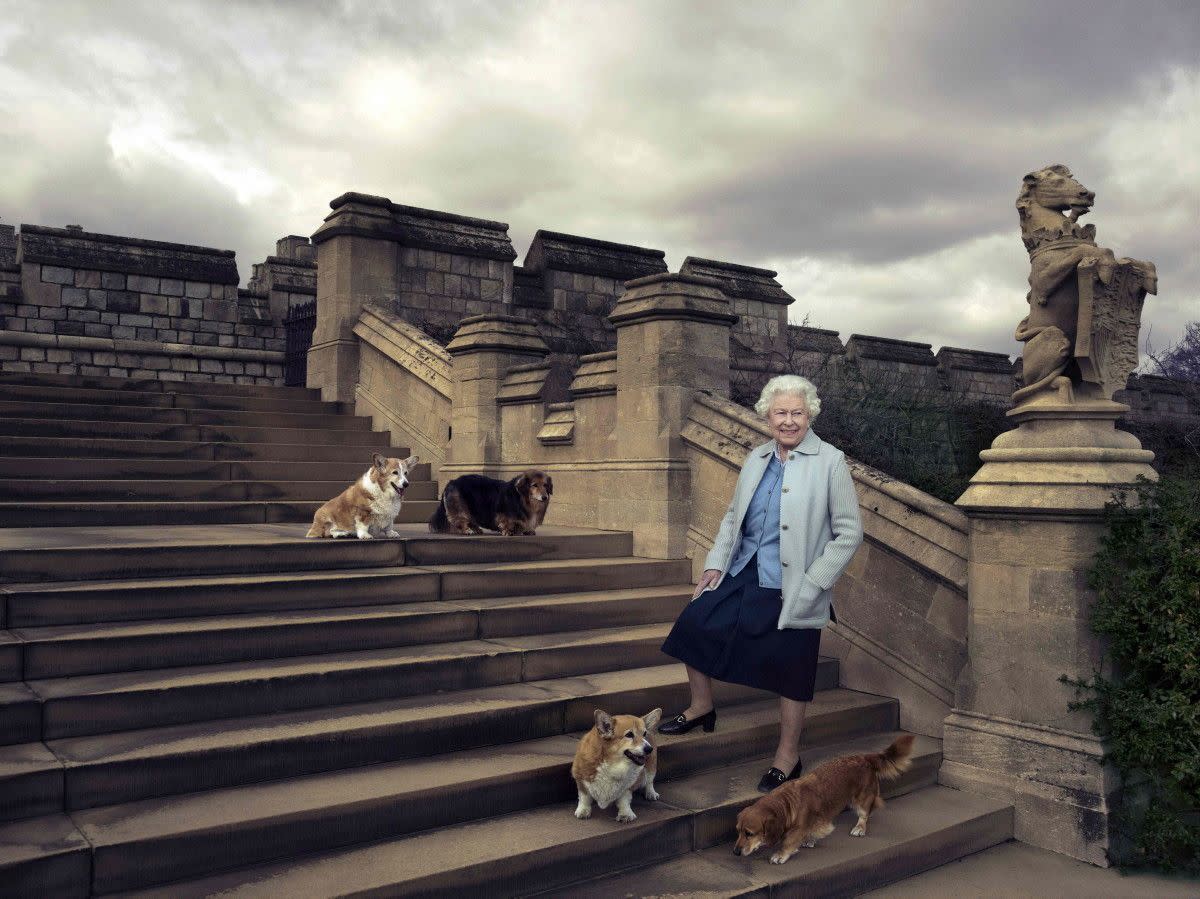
point(1036, 512)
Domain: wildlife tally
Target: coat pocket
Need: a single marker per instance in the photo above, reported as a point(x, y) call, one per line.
point(803, 606)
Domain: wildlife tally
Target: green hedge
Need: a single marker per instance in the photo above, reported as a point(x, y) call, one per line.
point(1147, 580)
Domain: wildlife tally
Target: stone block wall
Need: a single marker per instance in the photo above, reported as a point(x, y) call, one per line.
point(572, 283)
point(756, 298)
point(282, 280)
point(976, 375)
point(99, 304)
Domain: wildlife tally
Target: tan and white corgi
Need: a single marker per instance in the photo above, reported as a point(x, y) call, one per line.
point(615, 758)
point(368, 507)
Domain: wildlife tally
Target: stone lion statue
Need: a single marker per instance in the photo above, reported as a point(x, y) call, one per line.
point(1049, 206)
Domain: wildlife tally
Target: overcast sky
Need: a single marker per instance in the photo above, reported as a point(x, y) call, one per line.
point(870, 153)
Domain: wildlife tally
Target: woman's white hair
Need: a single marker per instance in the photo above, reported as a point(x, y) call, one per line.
point(789, 384)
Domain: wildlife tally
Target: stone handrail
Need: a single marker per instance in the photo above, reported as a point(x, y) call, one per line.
point(403, 382)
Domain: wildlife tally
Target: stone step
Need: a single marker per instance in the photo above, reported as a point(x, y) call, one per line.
point(31, 410)
point(143, 843)
point(548, 851)
point(20, 715)
point(35, 605)
point(112, 768)
point(31, 782)
point(99, 553)
point(915, 832)
point(70, 650)
point(190, 469)
point(153, 385)
point(136, 700)
point(181, 490)
point(219, 450)
point(175, 400)
point(76, 514)
point(44, 856)
point(11, 653)
point(138, 430)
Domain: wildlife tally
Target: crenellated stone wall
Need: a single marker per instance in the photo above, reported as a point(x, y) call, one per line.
point(284, 279)
point(97, 304)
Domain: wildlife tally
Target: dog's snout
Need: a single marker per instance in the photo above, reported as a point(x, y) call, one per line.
point(647, 747)
point(737, 850)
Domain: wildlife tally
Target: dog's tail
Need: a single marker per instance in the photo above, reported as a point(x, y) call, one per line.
point(438, 522)
point(894, 760)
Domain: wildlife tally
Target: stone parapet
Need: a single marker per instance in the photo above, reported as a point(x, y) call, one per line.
point(68, 248)
point(740, 282)
point(148, 296)
point(286, 278)
point(365, 215)
point(551, 250)
point(756, 298)
point(861, 348)
point(976, 375)
point(816, 340)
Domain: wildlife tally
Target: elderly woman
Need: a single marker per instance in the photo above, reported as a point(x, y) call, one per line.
point(758, 610)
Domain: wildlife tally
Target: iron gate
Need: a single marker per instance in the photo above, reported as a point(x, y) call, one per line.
point(298, 329)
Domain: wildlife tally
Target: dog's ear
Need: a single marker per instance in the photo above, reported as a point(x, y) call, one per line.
point(651, 718)
point(379, 461)
point(549, 486)
point(522, 484)
point(411, 461)
point(604, 723)
point(773, 823)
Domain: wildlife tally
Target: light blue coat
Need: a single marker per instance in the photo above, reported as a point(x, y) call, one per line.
point(819, 527)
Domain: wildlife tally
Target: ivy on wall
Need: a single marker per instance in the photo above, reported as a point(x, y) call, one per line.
point(1147, 708)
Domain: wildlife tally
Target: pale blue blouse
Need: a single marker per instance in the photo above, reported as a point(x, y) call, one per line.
point(760, 530)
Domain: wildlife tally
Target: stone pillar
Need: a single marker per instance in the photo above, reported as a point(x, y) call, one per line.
point(356, 262)
point(1035, 511)
point(483, 349)
point(672, 340)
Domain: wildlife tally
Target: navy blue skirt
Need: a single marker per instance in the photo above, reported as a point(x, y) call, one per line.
point(731, 634)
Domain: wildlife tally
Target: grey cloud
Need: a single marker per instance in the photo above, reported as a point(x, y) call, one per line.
point(859, 136)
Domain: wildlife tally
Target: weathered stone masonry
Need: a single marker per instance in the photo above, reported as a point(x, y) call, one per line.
point(98, 304)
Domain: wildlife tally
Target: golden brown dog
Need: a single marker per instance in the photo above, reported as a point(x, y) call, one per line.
point(802, 811)
point(368, 507)
point(615, 758)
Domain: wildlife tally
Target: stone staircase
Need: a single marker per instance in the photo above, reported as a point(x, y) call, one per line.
point(196, 700)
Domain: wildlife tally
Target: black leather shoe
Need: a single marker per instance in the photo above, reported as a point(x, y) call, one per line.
point(681, 725)
point(776, 778)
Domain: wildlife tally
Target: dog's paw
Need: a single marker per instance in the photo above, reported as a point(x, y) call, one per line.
point(624, 817)
point(808, 844)
point(365, 537)
point(650, 793)
point(581, 812)
point(780, 857)
point(392, 532)
point(858, 831)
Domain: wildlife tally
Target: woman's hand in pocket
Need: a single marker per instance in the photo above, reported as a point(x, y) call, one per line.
point(710, 577)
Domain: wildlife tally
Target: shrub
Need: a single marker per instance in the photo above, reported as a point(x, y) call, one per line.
point(1147, 580)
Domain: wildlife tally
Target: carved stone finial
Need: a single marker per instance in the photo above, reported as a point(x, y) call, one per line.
point(1084, 304)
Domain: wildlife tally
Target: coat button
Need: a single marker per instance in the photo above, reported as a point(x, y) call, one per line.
point(783, 527)
point(784, 564)
point(785, 489)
